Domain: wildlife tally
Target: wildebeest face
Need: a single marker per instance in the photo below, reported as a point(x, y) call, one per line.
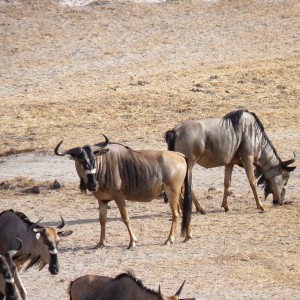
point(47, 240)
point(278, 186)
point(86, 166)
point(85, 162)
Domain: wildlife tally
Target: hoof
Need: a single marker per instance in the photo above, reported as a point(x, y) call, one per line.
point(99, 246)
point(131, 245)
point(201, 211)
point(226, 208)
point(168, 242)
point(187, 239)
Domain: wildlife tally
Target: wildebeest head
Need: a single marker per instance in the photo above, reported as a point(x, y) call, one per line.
point(85, 162)
point(45, 246)
point(276, 179)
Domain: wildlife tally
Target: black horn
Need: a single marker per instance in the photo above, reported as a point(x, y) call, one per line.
point(180, 289)
point(103, 144)
point(62, 223)
point(159, 292)
point(56, 151)
point(288, 162)
point(73, 152)
point(32, 227)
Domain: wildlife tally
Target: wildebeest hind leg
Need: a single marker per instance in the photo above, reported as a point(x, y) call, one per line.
point(194, 198)
point(174, 205)
point(227, 183)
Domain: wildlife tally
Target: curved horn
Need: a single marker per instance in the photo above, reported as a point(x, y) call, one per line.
point(62, 223)
point(56, 151)
point(73, 152)
point(159, 292)
point(103, 144)
point(290, 161)
point(36, 224)
point(180, 289)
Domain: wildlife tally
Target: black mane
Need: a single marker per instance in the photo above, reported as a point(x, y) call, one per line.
point(234, 117)
point(130, 274)
point(21, 215)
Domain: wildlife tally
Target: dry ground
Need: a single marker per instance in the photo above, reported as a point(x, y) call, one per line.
point(132, 71)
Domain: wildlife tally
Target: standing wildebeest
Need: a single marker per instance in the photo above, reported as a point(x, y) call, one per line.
point(123, 287)
point(39, 244)
point(237, 138)
point(115, 172)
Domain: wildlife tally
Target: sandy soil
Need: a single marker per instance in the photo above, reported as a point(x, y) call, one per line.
point(132, 71)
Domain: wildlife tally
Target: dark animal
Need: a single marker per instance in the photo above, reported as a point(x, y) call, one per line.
point(7, 283)
point(115, 172)
point(237, 138)
point(39, 244)
point(123, 287)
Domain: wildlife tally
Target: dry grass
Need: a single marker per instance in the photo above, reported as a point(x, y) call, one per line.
point(122, 78)
point(132, 71)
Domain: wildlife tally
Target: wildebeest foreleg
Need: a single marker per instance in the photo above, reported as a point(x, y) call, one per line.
point(17, 279)
point(197, 204)
point(227, 183)
point(102, 221)
point(124, 215)
point(20, 285)
point(248, 165)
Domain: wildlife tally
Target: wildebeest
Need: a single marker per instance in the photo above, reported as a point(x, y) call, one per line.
point(123, 287)
point(237, 138)
point(115, 172)
point(7, 284)
point(39, 244)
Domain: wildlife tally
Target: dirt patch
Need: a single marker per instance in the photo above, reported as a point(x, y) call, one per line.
point(132, 71)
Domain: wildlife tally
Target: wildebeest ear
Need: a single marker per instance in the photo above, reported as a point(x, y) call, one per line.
point(64, 233)
point(101, 152)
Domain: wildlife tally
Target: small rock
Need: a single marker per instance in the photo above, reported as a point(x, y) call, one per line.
point(56, 185)
point(230, 193)
point(5, 185)
point(36, 189)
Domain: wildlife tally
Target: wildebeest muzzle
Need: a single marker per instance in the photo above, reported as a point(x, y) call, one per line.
point(92, 183)
point(53, 266)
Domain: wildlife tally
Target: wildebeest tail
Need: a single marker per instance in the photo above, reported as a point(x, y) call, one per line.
point(170, 139)
point(187, 203)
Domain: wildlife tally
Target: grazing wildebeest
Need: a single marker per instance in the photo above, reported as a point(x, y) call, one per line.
point(39, 244)
point(115, 172)
point(237, 138)
point(123, 287)
point(7, 288)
